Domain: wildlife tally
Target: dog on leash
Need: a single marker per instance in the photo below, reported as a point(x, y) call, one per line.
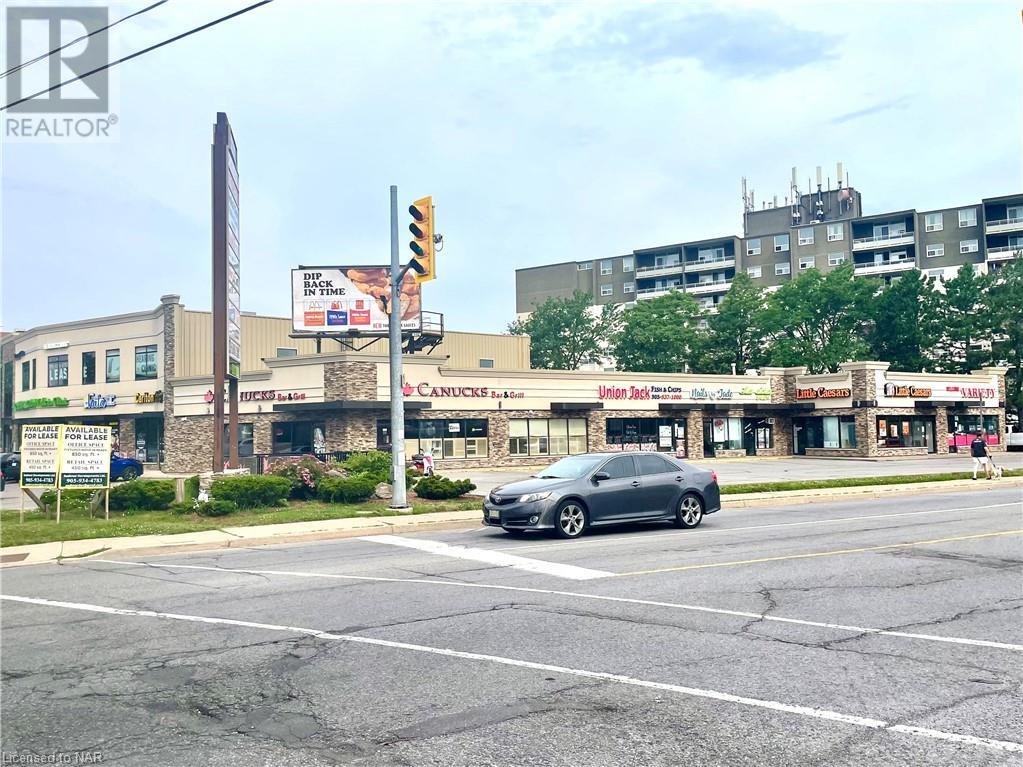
point(996, 470)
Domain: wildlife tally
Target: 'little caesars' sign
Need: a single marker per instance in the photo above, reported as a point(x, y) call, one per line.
point(40, 455)
point(85, 456)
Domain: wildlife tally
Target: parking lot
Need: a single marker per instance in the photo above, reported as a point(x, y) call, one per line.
point(838, 633)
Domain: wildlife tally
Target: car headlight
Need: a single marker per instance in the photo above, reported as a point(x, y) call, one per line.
point(534, 497)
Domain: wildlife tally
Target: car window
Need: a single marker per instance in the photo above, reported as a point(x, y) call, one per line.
point(620, 468)
point(652, 464)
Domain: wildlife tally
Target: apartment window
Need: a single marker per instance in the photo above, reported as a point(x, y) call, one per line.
point(807, 262)
point(933, 251)
point(88, 367)
point(781, 243)
point(628, 264)
point(710, 254)
point(806, 236)
point(606, 267)
point(444, 438)
point(546, 436)
point(754, 271)
point(780, 269)
point(753, 247)
point(486, 363)
point(934, 222)
point(291, 437)
point(145, 362)
point(584, 267)
point(836, 259)
point(26, 376)
point(968, 246)
point(936, 274)
point(968, 217)
point(56, 370)
point(607, 290)
point(34, 374)
point(286, 351)
point(836, 232)
point(629, 287)
point(113, 365)
point(1014, 213)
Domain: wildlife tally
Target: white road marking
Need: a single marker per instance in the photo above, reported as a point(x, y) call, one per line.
point(607, 541)
point(490, 556)
point(771, 705)
point(597, 597)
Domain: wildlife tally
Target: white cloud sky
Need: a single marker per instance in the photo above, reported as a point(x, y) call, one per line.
point(544, 132)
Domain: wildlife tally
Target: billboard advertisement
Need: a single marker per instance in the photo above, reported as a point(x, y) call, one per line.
point(40, 455)
point(227, 302)
point(85, 456)
point(339, 299)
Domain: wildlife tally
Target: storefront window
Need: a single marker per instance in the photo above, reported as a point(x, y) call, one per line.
point(645, 434)
point(832, 432)
point(145, 362)
point(56, 370)
point(443, 438)
point(113, 365)
point(546, 436)
point(962, 428)
point(245, 440)
point(291, 437)
point(721, 434)
point(905, 431)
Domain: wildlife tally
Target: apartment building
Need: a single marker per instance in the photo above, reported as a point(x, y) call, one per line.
point(821, 230)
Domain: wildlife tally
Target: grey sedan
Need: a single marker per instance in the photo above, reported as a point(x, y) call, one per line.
point(597, 489)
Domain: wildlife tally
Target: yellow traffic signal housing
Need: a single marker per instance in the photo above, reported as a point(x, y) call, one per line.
point(422, 246)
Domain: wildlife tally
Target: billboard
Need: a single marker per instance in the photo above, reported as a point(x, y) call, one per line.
point(227, 303)
point(340, 299)
point(40, 455)
point(85, 456)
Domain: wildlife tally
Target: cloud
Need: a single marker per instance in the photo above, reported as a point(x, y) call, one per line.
point(882, 106)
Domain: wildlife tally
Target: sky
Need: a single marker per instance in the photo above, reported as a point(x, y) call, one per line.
point(545, 132)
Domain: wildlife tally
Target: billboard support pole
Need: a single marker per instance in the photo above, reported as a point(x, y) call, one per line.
point(399, 499)
point(58, 504)
point(21, 509)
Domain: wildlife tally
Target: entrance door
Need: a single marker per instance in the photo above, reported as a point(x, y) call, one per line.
point(708, 438)
point(148, 439)
point(749, 435)
point(798, 437)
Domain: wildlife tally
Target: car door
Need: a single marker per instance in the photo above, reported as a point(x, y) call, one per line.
point(661, 481)
point(619, 497)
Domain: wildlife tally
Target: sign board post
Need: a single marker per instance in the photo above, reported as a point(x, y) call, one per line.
point(84, 459)
point(227, 314)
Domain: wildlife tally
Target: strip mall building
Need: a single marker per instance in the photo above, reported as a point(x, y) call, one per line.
point(474, 402)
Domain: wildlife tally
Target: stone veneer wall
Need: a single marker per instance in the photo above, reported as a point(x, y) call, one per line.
point(350, 380)
point(126, 434)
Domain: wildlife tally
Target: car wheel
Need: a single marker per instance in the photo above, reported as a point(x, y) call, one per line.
point(570, 519)
point(129, 472)
point(689, 513)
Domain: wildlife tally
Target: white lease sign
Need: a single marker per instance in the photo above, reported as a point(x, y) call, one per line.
point(40, 454)
point(85, 457)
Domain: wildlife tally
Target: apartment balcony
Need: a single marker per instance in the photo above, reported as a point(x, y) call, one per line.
point(659, 271)
point(710, 263)
point(870, 268)
point(702, 288)
point(883, 241)
point(1004, 225)
point(1004, 253)
point(645, 293)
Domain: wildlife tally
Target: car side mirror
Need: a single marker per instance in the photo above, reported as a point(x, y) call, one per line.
point(600, 476)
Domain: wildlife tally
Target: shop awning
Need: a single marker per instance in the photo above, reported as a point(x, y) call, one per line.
point(344, 405)
point(780, 407)
point(948, 403)
point(675, 407)
point(577, 406)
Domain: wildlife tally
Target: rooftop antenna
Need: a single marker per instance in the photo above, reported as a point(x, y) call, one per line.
point(797, 214)
point(818, 213)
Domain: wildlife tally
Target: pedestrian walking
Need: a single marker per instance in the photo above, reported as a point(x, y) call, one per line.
point(981, 458)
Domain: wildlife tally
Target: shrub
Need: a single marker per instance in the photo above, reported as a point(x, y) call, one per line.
point(70, 500)
point(192, 487)
point(375, 465)
point(251, 491)
point(182, 507)
point(142, 495)
point(216, 507)
point(303, 473)
point(442, 488)
point(346, 489)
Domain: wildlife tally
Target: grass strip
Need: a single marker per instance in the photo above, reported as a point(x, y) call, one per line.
point(823, 484)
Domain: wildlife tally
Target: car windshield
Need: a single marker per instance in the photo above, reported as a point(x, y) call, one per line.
point(572, 467)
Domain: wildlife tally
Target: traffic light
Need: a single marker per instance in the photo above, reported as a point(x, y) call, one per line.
point(423, 263)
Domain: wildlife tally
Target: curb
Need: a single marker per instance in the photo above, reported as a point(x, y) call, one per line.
point(281, 534)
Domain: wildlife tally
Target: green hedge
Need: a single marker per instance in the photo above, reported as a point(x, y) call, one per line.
point(441, 488)
point(142, 495)
point(192, 488)
point(252, 491)
point(216, 507)
point(375, 465)
point(345, 490)
point(70, 500)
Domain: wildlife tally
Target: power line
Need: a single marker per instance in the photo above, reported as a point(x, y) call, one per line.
point(79, 39)
point(137, 54)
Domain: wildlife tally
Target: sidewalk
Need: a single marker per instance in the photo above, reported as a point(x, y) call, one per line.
point(298, 532)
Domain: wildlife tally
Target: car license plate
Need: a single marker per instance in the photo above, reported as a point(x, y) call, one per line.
point(494, 514)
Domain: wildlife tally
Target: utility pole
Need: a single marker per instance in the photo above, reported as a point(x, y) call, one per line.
point(399, 499)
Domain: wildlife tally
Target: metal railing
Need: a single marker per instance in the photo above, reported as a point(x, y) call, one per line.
point(657, 268)
point(1006, 221)
point(882, 237)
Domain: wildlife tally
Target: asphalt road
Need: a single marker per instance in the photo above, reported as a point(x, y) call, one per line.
point(752, 640)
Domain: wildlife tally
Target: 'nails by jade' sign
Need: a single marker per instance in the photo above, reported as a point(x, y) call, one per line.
point(823, 392)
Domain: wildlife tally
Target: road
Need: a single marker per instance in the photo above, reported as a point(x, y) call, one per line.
point(832, 633)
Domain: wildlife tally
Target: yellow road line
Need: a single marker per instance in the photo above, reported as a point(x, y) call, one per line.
point(819, 553)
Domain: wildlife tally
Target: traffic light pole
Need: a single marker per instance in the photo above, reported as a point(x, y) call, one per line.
point(399, 498)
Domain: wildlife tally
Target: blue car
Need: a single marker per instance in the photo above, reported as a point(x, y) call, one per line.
point(123, 467)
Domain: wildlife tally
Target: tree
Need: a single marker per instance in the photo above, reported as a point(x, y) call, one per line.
point(566, 332)
point(819, 320)
point(905, 326)
point(1006, 305)
point(735, 335)
point(658, 335)
point(965, 322)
